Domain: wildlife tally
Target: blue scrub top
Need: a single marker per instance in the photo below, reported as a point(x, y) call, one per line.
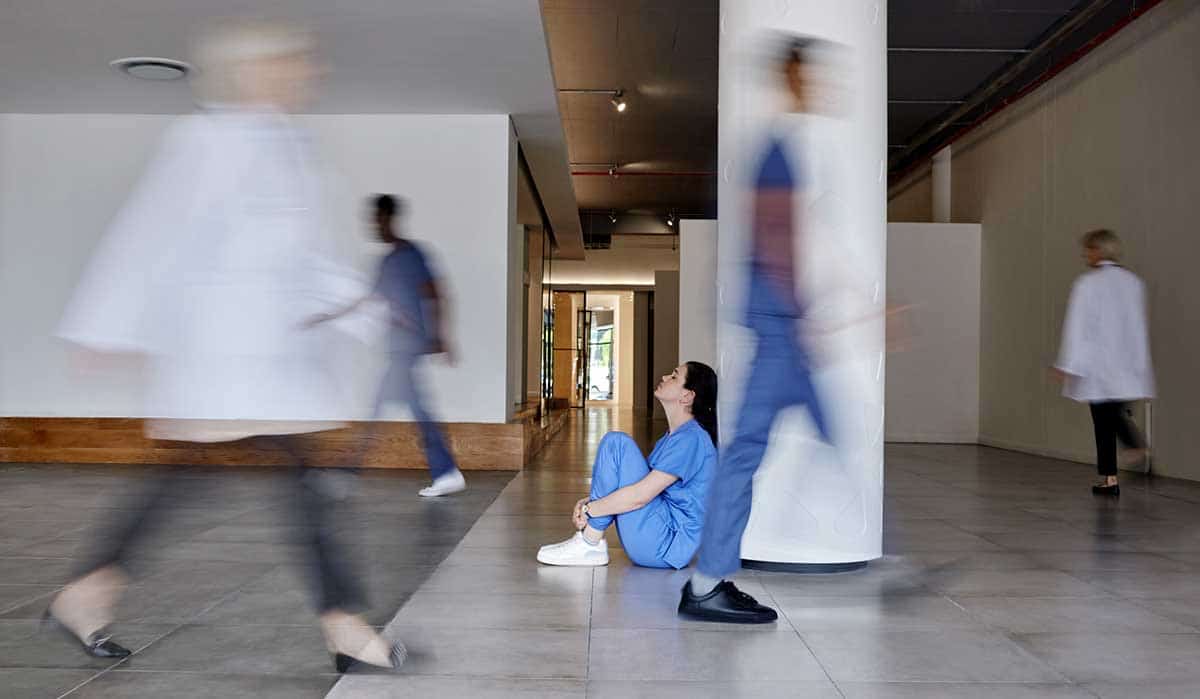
point(403, 275)
point(689, 454)
point(775, 171)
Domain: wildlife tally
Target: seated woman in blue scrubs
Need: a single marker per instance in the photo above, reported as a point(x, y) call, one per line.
point(658, 504)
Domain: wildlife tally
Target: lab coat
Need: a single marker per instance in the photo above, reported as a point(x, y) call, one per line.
point(1105, 348)
point(210, 271)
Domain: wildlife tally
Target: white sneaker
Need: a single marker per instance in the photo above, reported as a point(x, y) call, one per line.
point(575, 551)
point(445, 485)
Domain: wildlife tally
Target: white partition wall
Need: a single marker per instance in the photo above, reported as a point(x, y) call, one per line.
point(933, 375)
point(698, 291)
point(814, 502)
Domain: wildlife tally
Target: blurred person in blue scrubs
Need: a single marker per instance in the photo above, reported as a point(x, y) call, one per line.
point(417, 311)
point(781, 370)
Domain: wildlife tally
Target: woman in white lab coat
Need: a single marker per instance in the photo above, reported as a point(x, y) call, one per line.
point(209, 273)
point(1104, 359)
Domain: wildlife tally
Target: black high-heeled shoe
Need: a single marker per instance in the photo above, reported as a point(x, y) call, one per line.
point(349, 664)
point(98, 644)
point(1111, 490)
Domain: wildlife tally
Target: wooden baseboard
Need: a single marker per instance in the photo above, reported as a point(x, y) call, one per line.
point(476, 446)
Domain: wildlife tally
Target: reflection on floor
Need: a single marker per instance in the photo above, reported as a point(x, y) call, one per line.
point(219, 607)
point(1003, 577)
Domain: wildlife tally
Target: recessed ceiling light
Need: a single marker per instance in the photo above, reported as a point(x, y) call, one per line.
point(150, 68)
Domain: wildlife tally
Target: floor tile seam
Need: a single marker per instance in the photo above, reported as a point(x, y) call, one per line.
point(1013, 634)
point(122, 661)
point(29, 600)
point(1018, 639)
point(803, 640)
point(1144, 602)
point(587, 659)
point(1013, 641)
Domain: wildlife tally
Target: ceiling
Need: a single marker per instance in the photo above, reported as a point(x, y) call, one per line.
point(386, 56)
point(664, 55)
point(967, 44)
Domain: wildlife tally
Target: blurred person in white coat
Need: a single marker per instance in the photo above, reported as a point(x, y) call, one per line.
point(208, 274)
point(1104, 359)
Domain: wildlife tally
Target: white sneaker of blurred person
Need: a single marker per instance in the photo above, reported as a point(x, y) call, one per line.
point(576, 551)
point(448, 484)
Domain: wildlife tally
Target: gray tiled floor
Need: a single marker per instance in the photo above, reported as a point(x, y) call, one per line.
point(218, 608)
point(1003, 577)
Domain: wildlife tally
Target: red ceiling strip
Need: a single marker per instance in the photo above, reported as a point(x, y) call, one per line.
point(641, 173)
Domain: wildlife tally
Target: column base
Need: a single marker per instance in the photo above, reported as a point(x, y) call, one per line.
point(804, 568)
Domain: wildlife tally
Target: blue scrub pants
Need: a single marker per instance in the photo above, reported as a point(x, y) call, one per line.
point(646, 533)
point(780, 377)
point(401, 384)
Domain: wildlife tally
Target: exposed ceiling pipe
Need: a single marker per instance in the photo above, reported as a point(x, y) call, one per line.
point(980, 96)
point(1067, 62)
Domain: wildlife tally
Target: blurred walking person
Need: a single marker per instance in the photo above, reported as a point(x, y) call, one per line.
point(417, 312)
point(209, 273)
point(1104, 359)
point(781, 372)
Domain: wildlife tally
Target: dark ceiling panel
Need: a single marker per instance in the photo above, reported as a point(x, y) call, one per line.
point(939, 76)
point(664, 54)
point(971, 23)
point(904, 119)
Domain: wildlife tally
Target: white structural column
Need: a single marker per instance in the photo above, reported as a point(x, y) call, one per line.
point(942, 189)
point(815, 503)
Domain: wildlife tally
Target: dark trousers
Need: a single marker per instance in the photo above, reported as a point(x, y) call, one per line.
point(331, 571)
point(1112, 422)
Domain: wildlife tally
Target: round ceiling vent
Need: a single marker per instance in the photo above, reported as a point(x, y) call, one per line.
point(149, 68)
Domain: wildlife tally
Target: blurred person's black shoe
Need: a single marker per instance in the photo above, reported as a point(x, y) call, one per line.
point(1111, 490)
point(349, 664)
point(98, 644)
point(724, 603)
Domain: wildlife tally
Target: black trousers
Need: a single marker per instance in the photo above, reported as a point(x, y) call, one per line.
point(1112, 422)
point(331, 571)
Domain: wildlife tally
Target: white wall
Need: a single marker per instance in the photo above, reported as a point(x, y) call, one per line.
point(625, 349)
point(1111, 142)
point(631, 261)
point(698, 291)
point(62, 178)
point(642, 361)
point(932, 389)
point(666, 329)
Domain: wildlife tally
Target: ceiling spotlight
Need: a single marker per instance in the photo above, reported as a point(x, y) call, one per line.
point(612, 216)
point(618, 100)
point(670, 219)
point(612, 171)
point(150, 68)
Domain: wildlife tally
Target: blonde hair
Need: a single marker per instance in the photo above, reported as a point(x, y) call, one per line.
point(221, 49)
point(1104, 241)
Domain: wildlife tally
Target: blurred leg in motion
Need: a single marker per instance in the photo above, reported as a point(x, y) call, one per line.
point(401, 384)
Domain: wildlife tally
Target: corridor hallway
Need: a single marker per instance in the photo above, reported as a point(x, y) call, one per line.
point(1003, 577)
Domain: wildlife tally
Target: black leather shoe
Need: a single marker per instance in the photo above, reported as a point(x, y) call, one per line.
point(1114, 490)
point(724, 603)
point(349, 664)
point(98, 645)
